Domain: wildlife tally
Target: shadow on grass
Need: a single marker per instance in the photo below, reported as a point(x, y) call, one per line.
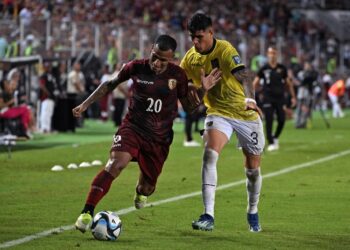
point(94, 133)
point(23, 146)
point(188, 236)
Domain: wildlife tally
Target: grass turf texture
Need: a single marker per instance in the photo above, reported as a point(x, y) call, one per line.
point(303, 209)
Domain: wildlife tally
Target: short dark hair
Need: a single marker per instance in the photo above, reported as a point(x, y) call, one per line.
point(199, 21)
point(166, 42)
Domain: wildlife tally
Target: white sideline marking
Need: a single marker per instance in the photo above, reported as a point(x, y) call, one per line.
point(176, 198)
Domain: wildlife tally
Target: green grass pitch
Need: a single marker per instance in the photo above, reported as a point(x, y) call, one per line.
point(303, 209)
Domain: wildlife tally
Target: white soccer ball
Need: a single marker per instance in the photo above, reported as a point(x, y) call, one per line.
point(106, 225)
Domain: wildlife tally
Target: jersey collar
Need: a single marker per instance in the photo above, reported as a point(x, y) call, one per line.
point(211, 49)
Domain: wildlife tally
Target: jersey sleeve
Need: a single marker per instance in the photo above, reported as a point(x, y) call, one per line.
point(183, 84)
point(284, 73)
point(184, 66)
point(260, 73)
point(183, 63)
point(232, 60)
point(126, 72)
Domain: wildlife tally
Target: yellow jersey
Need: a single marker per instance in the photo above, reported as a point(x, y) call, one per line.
point(227, 97)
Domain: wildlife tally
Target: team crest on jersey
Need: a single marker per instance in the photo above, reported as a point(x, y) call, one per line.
point(237, 59)
point(172, 83)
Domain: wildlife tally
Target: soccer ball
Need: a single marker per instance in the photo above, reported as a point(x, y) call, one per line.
point(106, 225)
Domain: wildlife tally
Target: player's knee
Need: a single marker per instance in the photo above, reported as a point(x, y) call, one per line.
point(210, 158)
point(252, 174)
point(252, 160)
point(114, 167)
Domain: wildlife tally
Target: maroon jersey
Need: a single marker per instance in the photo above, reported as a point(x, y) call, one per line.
point(153, 105)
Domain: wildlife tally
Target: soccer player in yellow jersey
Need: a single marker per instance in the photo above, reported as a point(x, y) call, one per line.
point(231, 109)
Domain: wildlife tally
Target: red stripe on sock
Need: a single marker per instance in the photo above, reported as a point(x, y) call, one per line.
point(99, 187)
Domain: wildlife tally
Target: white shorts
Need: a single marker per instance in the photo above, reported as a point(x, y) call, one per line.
point(250, 134)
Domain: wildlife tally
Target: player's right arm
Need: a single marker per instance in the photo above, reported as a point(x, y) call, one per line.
point(256, 81)
point(42, 86)
point(2, 103)
point(104, 88)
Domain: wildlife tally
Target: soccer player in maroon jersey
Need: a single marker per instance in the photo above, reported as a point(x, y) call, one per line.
point(146, 132)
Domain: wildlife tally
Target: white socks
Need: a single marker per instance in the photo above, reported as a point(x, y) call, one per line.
point(209, 180)
point(253, 183)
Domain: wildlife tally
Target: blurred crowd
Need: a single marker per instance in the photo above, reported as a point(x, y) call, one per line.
point(250, 25)
point(245, 23)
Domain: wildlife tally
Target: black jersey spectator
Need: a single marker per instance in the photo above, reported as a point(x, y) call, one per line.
point(273, 78)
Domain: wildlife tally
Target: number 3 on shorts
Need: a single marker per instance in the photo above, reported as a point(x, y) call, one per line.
point(254, 136)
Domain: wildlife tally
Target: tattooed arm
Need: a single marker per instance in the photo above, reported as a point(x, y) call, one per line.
point(101, 91)
point(246, 79)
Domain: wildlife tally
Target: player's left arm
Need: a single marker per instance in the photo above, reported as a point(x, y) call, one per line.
point(233, 62)
point(290, 86)
point(194, 96)
point(188, 95)
point(245, 78)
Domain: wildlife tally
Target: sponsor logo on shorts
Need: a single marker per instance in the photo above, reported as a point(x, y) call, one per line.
point(172, 83)
point(116, 140)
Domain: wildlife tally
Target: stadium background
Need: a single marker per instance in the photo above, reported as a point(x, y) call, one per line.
point(114, 32)
point(315, 30)
point(301, 209)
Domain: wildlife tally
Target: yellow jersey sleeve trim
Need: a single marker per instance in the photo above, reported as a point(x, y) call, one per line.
point(232, 60)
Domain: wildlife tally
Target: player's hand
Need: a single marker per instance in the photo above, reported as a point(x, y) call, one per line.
point(192, 96)
point(293, 102)
point(251, 105)
point(210, 80)
point(78, 110)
